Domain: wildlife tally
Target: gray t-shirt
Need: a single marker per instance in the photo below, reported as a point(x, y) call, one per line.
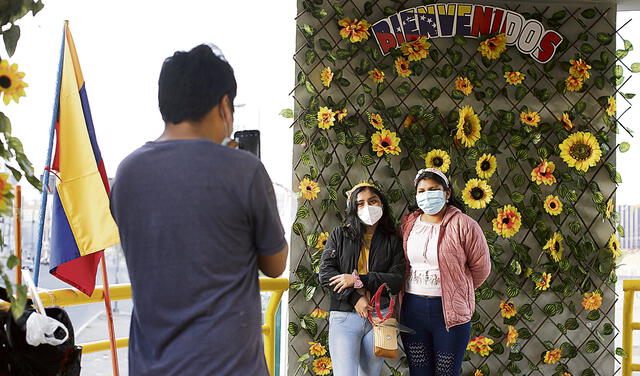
point(193, 217)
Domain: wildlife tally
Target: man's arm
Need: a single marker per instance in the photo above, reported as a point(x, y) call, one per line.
point(273, 265)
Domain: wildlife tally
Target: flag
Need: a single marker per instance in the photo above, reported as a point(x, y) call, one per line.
point(82, 224)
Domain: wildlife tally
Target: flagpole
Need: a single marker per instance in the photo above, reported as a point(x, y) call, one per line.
point(45, 179)
point(107, 304)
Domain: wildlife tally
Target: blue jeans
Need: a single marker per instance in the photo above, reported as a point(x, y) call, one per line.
point(432, 350)
point(351, 345)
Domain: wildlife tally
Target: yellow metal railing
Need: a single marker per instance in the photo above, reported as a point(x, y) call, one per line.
point(73, 297)
point(629, 286)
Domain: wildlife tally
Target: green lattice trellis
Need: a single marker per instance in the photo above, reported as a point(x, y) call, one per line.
point(341, 156)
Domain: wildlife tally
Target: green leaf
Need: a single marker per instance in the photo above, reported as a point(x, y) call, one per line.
point(586, 49)
point(588, 13)
point(12, 262)
point(520, 92)
point(359, 139)
point(591, 346)
point(366, 160)
point(309, 291)
point(635, 67)
point(310, 89)
point(607, 329)
point(10, 38)
point(620, 352)
point(624, 147)
point(599, 82)
point(310, 57)
point(604, 38)
point(457, 95)
point(513, 291)
point(287, 113)
point(627, 45)
point(360, 100)
point(593, 315)
point(310, 325)
point(324, 44)
point(299, 138)
point(524, 333)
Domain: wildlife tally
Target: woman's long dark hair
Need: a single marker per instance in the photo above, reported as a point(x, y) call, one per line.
point(355, 228)
point(453, 199)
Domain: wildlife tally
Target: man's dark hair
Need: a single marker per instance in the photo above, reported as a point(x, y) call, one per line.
point(355, 228)
point(192, 83)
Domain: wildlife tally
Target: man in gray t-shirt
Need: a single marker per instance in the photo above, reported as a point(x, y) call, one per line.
point(197, 220)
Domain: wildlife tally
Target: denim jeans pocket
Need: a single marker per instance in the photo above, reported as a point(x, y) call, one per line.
point(337, 317)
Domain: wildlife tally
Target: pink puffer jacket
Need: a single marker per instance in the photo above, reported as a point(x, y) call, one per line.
point(463, 258)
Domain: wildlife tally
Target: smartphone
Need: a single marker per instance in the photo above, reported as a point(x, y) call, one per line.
point(249, 141)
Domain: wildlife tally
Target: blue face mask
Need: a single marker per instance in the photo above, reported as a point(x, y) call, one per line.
point(431, 202)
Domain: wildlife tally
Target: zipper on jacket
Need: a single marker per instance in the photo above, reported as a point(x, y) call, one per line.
point(444, 310)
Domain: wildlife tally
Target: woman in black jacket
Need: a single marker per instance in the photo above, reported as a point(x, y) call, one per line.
point(357, 259)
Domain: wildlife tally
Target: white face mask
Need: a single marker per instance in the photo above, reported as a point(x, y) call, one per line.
point(370, 214)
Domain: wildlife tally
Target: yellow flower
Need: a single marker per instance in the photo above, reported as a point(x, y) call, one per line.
point(309, 189)
point(554, 246)
point(480, 345)
point(341, 114)
point(326, 118)
point(566, 121)
point(326, 76)
point(322, 240)
point(477, 194)
point(507, 309)
point(464, 85)
point(416, 50)
point(528, 272)
point(512, 336)
point(508, 221)
point(408, 121)
point(376, 121)
point(468, 126)
point(514, 78)
point(319, 314)
point(493, 47)
point(5, 189)
point(609, 211)
point(592, 301)
point(11, 84)
point(385, 141)
point(355, 30)
point(543, 173)
point(316, 349)
point(614, 245)
point(486, 166)
point(579, 69)
point(531, 118)
point(580, 150)
point(611, 106)
point(573, 84)
point(552, 357)
point(553, 205)
point(478, 373)
point(439, 159)
point(545, 283)
point(322, 366)
point(376, 75)
point(402, 67)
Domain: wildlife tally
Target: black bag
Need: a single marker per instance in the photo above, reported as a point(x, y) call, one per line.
point(18, 358)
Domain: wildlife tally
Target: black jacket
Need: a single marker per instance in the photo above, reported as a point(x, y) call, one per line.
point(386, 265)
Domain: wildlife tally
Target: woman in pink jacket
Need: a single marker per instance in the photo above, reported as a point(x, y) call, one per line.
point(447, 259)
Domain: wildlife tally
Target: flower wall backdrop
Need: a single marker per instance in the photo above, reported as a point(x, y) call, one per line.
point(531, 150)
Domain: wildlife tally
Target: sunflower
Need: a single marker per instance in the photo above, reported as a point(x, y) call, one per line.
point(573, 84)
point(553, 205)
point(376, 75)
point(507, 309)
point(408, 121)
point(385, 141)
point(376, 121)
point(439, 159)
point(309, 189)
point(480, 345)
point(11, 84)
point(5, 188)
point(326, 118)
point(508, 221)
point(326, 76)
point(611, 106)
point(566, 121)
point(322, 366)
point(580, 150)
point(592, 300)
point(554, 246)
point(544, 283)
point(316, 349)
point(477, 194)
point(464, 85)
point(322, 240)
point(355, 30)
point(609, 211)
point(493, 47)
point(531, 118)
point(402, 67)
point(319, 314)
point(341, 114)
point(486, 166)
point(512, 336)
point(514, 78)
point(468, 126)
point(416, 50)
point(552, 357)
point(543, 173)
point(614, 245)
point(579, 69)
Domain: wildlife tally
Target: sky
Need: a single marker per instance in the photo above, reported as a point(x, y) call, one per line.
point(121, 46)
